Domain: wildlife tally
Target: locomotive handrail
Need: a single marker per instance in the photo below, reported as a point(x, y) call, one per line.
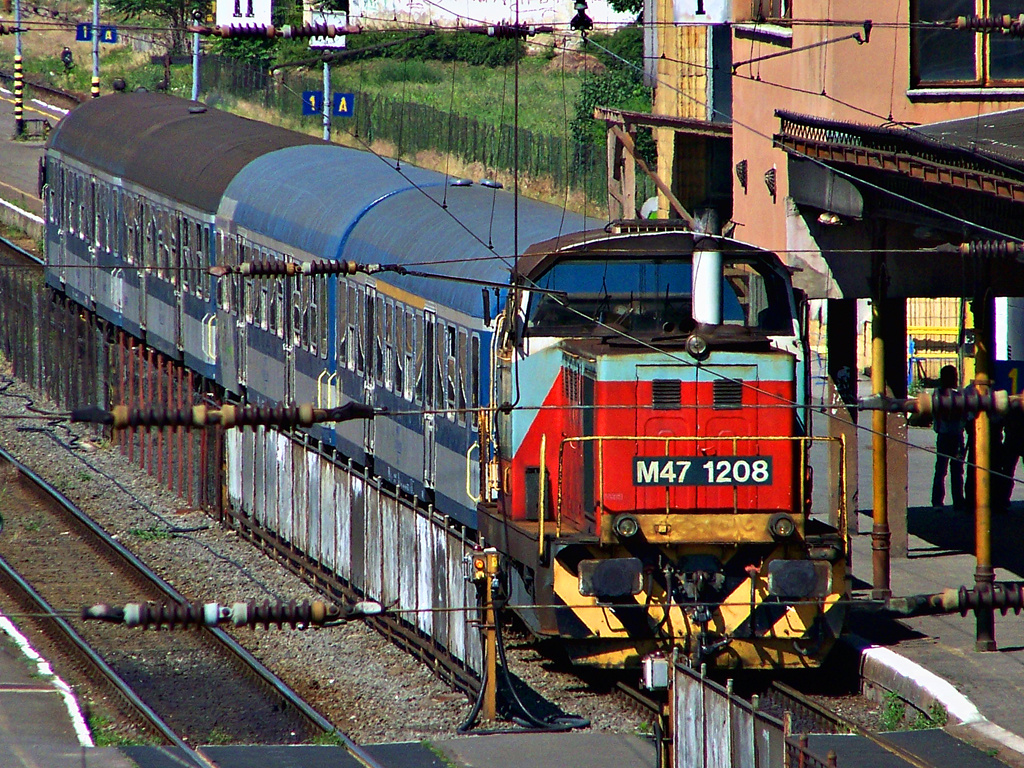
point(600, 439)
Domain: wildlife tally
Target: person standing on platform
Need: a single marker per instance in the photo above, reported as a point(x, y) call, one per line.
point(949, 447)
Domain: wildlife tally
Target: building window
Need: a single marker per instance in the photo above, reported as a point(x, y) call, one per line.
point(943, 57)
point(776, 10)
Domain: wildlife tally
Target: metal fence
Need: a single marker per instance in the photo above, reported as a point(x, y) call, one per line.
point(571, 167)
point(713, 728)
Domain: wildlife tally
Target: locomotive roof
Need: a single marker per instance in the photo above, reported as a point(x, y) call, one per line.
point(338, 203)
point(652, 242)
point(178, 148)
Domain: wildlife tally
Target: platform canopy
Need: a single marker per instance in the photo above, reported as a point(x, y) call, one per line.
point(913, 194)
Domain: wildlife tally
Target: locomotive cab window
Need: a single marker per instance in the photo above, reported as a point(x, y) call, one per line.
point(652, 297)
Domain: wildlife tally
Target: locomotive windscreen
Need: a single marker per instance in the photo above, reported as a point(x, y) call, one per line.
point(653, 296)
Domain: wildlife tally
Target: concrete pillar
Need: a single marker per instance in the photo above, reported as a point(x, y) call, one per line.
point(841, 344)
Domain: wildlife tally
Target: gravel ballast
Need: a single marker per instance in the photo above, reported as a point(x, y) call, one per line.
point(368, 688)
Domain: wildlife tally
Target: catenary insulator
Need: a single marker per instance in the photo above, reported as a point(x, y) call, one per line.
point(227, 416)
point(955, 403)
point(991, 249)
point(276, 268)
point(297, 615)
point(988, 23)
point(1004, 596)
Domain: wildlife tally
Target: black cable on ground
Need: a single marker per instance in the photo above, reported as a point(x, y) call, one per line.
point(559, 723)
point(470, 720)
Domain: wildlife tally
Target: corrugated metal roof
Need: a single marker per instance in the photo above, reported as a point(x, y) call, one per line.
point(167, 144)
point(337, 203)
point(997, 133)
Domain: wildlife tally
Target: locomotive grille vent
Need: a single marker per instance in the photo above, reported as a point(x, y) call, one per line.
point(727, 394)
point(666, 394)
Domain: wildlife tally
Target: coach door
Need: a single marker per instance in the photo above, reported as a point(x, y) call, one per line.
point(430, 398)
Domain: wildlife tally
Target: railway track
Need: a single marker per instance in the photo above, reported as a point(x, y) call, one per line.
point(809, 716)
point(184, 688)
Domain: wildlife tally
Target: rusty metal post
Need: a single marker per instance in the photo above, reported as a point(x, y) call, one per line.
point(880, 534)
point(161, 391)
point(490, 705)
point(984, 574)
point(178, 378)
point(122, 379)
point(191, 452)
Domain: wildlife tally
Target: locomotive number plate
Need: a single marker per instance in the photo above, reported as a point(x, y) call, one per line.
point(702, 470)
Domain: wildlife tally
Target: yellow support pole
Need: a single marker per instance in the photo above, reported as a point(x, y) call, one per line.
point(984, 574)
point(490, 703)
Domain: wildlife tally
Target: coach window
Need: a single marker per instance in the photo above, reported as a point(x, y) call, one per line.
point(99, 229)
point(279, 315)
point(159, 219)
point(296, 312)
point(131, 230)
point(173, 248)
point(321, 303)
point(369, 324)
point(83, 216)
point(378, 336)
point(341, 329)
point(474, 379)
point(359, 339)
point(264, 303)
point(388, 345)
point(399, 336)
point(463, 375)
point(452, 372)
point(425, 366)
point(185, 228)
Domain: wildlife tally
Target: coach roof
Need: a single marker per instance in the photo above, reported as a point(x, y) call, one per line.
point(338, 203)
point(181, 149)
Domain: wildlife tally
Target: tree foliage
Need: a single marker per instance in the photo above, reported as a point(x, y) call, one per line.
point(620, 86)
point(627, 6)
point(177, 14)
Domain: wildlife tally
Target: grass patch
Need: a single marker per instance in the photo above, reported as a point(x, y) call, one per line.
point(894, 710)
point(32, 525)
point(546, 100)
point(218, 736)
point(150, 534)
point(936, 717)
point(436, 752)
point(391, 72)
point(331, 739)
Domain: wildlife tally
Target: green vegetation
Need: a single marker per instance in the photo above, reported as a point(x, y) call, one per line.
point(937, 717)
point(894, 709)
point(894, 715)
point(436, 751)
point(84, 476)
point(331, 739)
point(151, 534)
point(104, 734)
point(32, 525)
point(218, 735)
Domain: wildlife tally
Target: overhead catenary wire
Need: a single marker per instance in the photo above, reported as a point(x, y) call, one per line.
point(968, 222)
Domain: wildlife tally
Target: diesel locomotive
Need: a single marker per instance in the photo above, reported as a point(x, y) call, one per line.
point(615, 407)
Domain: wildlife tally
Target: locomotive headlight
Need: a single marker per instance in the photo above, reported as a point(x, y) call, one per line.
point(626, 526)
point(697, 346)
point(781, 526)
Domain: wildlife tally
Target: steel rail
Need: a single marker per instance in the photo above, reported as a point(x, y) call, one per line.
point(152, 720)
point(4, 242)
point(841, 722)
point(258, 669)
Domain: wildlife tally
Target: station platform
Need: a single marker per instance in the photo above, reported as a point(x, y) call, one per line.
point(932, 659)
